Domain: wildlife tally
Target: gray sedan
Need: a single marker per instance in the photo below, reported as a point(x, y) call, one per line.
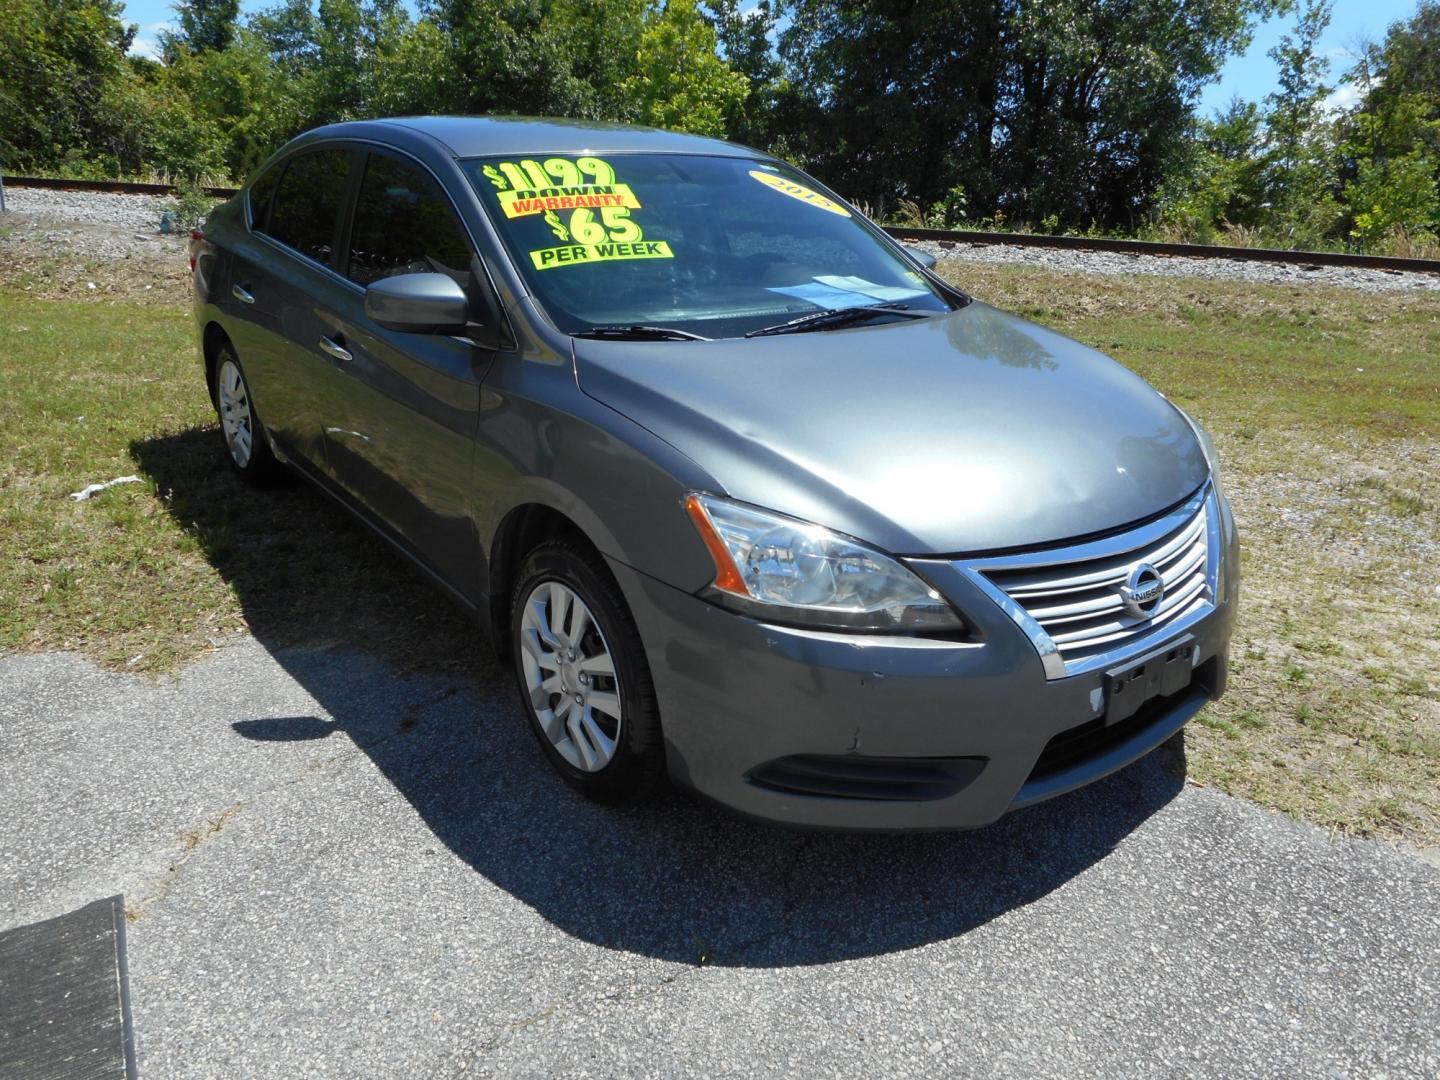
point(748, 496)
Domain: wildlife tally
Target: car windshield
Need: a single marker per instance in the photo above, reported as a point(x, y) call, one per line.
point(709, 246)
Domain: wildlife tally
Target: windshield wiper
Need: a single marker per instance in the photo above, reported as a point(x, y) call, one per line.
point(640, 333)
point(833, 317)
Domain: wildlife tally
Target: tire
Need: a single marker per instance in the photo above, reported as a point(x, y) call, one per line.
point(597, 723)
point(246, 445)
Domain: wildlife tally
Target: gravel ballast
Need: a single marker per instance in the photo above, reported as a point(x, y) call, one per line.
point(1065, 261)
point(100, 226)
point(104, 226)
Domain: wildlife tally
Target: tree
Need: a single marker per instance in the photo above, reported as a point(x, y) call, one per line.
point(205, 25)
point(679, 81)
point(744, 37)
point(1390, 144)
point(890, 100)
point(1220, 181)
point(1074, 110)
point(1295, 106)
point(65, 88)
point(523, 56)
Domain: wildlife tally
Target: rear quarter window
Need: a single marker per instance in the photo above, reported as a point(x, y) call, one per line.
point(262, 190)
point(305, 209)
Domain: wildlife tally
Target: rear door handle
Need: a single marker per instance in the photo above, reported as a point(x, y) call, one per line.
point(331, 347)
point(240, 294)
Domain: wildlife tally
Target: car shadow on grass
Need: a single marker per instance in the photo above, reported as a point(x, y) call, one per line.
point(395, 669)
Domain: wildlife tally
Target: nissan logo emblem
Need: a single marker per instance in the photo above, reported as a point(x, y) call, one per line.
point(1142, 592)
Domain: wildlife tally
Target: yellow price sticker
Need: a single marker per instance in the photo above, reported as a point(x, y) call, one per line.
point(576, 254)
point(799, 191)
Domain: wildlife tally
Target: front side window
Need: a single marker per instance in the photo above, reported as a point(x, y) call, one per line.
point(404, 224)
point(306, 206)
point(715, 246)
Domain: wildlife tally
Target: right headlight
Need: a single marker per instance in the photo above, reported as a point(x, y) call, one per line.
point(1207, 446)
point(784, 570)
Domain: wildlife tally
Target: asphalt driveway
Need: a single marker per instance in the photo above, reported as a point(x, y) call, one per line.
point(332, 869)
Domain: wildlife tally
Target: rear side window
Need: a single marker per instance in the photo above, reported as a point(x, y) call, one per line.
point(404, 224)
point(305, 206)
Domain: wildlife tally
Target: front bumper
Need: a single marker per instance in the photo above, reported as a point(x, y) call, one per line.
point(901, 733)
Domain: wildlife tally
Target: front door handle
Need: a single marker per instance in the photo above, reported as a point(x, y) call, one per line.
point(238, 291)
point(331, 347)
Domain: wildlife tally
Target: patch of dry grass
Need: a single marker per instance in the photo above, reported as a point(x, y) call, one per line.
point(161, 279)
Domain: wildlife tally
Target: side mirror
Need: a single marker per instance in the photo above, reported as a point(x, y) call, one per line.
point(924, 258)
point(419, 304)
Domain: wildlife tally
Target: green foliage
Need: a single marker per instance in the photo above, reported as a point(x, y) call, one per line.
point(192, 204)
point(743, 32)
point(1075, 109)
point(205, 25)
point(1221, 181)
point(1390, 144)
point(1295, 175)
point(1394, 196)
point(1299, 159)
point(949, 211)
point(679, 81)
point(65, 86)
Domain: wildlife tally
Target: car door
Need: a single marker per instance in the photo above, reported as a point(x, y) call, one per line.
point(403, 443)
point(279, 276)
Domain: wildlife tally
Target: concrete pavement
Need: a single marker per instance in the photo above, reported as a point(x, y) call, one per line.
point(335, 870)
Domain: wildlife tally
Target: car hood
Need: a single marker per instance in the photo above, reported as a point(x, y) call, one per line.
point(964, 432)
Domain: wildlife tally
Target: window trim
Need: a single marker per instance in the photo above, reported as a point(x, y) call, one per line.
point(342, 210)
point(354, 145)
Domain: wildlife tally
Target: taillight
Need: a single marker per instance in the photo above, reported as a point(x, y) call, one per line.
point(196, 239)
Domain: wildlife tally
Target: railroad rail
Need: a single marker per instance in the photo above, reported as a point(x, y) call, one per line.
point(109, 187)
point(944, 237)
point(1186, 251)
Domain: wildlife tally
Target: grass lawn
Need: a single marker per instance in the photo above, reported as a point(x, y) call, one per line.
point(1325, 405)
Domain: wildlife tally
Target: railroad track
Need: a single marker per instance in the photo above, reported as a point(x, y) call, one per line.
point(944, 237)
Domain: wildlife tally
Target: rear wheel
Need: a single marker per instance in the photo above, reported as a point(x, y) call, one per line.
point(583, 678)
point(245, 441)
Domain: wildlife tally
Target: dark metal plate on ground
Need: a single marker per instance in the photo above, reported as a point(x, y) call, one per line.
point(1163, 672)
point(64, 998)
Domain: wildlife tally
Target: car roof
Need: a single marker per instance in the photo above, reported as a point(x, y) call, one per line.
point(475, 136)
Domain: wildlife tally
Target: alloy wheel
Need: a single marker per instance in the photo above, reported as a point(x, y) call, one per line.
point(235, 416)
point(570, 676)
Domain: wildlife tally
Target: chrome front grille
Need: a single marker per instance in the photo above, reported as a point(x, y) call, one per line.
point(1070, 602)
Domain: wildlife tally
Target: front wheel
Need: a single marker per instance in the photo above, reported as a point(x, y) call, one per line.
point(583, 678)
point(244, 437)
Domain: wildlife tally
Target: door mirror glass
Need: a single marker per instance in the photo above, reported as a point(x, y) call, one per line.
point(418, 304)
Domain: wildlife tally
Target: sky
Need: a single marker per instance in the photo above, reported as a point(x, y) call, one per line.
point(1250, 76)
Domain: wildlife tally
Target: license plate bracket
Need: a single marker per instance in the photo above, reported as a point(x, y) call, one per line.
point(1160, 673)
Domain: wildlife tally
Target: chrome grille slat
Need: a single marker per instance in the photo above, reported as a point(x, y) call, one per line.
point(1109, 600)
point(1025, 584)
point(1168, 607)
point(1081, 649)
point(1068, 599)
